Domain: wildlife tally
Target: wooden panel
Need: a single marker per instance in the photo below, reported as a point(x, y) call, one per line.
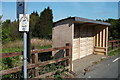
point(106, 40)
point(83, 41)
point(103, 37)
point(101, 53)
point(100, 47)
point(100, 38)
point(76, 48)
point(94, 36)
point(83, 47)
point(90, 40)
point(97, 37)
point(101, 50)
point(86, 41)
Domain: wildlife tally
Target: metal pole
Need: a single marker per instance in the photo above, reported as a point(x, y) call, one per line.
point(21, 4)
point(28, 46)
point(25, 47)
point(25, 56)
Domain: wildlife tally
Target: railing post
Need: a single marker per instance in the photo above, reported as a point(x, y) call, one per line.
point(69, 53)
point(119, 43)
point(112, 44)
point(35, 61)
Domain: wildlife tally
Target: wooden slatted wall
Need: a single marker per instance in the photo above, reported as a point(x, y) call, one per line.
point(100, 39)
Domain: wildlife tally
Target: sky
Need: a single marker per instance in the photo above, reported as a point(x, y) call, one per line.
point(63, 0)
point(90, 10)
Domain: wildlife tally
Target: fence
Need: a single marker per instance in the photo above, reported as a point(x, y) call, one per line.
point(113, 45)
point(35, 63)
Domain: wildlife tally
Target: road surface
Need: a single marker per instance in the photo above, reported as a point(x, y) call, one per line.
point(105, 69)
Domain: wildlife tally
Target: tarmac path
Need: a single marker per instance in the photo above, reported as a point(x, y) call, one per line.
point(105, 69)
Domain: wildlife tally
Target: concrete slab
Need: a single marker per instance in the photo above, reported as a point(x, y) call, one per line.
point(82, 65)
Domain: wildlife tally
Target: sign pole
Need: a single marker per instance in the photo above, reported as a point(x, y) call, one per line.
point(23, 27)
point(25, 56)
point(25, 48)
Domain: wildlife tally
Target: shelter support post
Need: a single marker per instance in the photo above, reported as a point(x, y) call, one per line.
point(69, 53)
point(35, 61)
point(101, 40)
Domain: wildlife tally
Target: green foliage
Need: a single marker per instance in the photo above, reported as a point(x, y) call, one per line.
point(34, 18)
point(45, 47)
point(43, 27)
point(14, 33)
point(57, 75)
point(114, 52)
point(114, 29)
point(5, 31)
point(5, 35)
point(40, 26)
point(10, 31)
point(0, 17)
point(7, 63)
point(8, 50)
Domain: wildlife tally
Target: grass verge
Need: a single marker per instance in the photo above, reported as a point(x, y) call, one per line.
point(17, 46)
point(8, 50)
point(114, 52)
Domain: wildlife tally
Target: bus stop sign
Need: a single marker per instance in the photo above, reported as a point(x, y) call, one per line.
point(24, 22)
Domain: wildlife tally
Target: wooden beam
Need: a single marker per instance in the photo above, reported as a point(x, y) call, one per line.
point(16, 69)
point(6, 55)
point(97, 37)
point(103, 37)
point(113, 50)
point(12, 70)
point(35, 61)
point(50, 49)
point(114, 41)
point(94, 36)
point(106, 40)
point(69, 53)
point(99, 51)
point(100, 39)
point(100, 47)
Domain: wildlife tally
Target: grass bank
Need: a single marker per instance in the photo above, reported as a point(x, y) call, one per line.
point(17, 46)
point(114, 52)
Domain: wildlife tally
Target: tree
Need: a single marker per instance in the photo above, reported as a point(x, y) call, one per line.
point(114, 29)
point(10, 31)
point(46, 23)
point(34, 18)
point(0, 30)
point(40, 26)
point(5, 31)
point(14, 33)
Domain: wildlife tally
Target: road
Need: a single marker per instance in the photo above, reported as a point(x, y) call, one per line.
point(105, 69)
